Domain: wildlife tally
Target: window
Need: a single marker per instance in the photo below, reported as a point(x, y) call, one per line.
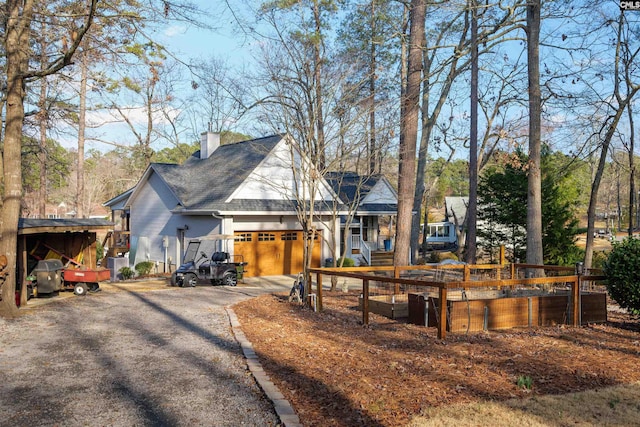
point(266, 237)
point(243, 237)
point(289, 236)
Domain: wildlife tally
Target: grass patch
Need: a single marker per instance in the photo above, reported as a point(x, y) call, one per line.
point(612, 406)
point(524, 382)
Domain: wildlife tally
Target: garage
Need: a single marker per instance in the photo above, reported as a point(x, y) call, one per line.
point(271, 253)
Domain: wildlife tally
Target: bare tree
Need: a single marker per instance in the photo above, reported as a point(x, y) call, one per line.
point(446, 58)
point(409, 134)
point(19, 17)
point(624, 90)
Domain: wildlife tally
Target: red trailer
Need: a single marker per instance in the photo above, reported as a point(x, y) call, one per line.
point(84, 280)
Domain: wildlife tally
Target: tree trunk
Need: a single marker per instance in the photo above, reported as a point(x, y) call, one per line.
point(419, 197)
point(409, 134)
point(470, 249)
point(42, 122)
point(373, 152)
point(17, 34)
point(80, 211)
point(534, 199)
point(633, 202)
point(317, 75)
point(42, 154)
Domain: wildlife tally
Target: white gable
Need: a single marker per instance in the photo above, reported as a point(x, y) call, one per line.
point(381, 193)
point(274, 178)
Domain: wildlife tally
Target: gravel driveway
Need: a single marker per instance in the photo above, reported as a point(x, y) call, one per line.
point(164, 357)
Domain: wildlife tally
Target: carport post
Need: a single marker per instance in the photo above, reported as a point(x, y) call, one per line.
point(365, 301)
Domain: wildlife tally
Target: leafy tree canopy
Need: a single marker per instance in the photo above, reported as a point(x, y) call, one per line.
point(58, 165)
point(502, 194)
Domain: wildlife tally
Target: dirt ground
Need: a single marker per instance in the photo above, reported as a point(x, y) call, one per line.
point(337, 372)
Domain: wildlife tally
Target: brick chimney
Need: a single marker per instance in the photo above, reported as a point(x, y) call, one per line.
point(209, 142)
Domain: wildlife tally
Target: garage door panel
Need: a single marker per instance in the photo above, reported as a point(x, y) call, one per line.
point(271, 253)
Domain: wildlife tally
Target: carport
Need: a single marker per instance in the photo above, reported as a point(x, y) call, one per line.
point(71, 240)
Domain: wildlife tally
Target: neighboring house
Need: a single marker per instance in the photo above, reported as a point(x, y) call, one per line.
point(449, 234)
point(247, 191)
point(456, 208)
point(367, 199)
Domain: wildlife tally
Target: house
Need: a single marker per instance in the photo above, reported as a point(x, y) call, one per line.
point(254, 191)
point(367, 200)
point(449, 234)
point(456, 208)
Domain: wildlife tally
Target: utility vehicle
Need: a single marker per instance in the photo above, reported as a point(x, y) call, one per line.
point(197, 266)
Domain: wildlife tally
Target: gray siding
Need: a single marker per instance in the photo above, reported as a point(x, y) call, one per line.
point(151, 218)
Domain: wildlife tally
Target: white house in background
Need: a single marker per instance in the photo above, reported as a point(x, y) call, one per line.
point(247, 190)
point(367, 199)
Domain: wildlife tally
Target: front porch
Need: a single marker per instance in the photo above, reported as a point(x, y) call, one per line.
point(366, 245)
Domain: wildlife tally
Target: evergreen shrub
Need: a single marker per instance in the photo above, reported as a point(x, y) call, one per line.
point(127, 273)
point(623, 274)
point(143, 268)
point(348, 262)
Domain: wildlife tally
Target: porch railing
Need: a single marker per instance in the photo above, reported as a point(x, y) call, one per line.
point(365, 251)
point(355, 242)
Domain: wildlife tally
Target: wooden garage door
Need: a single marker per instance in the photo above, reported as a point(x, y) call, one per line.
point(269, 253)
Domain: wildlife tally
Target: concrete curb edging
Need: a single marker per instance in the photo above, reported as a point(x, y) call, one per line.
point(283, 408)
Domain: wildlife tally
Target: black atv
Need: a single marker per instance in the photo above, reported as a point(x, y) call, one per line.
point(218, 269)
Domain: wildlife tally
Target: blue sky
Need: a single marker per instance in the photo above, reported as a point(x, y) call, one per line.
point(187, 43)
point(225, 41)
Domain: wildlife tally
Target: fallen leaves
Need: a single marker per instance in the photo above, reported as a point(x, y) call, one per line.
point(337, 372)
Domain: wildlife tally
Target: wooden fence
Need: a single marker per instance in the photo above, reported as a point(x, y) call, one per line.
point(426, 276)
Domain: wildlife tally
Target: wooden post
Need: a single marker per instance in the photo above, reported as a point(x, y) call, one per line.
point(466, 274)
point(365, 301)
point(575, 301)
point(442, 308)
point(513, 270)
point(319, 297)
point(396, 275)
point(503, 262)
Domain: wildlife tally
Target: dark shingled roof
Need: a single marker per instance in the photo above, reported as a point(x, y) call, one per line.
point(205, 184)
point(36, 225)
point(347, 184)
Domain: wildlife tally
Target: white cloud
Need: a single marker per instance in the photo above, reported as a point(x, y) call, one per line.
point(175, 30)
